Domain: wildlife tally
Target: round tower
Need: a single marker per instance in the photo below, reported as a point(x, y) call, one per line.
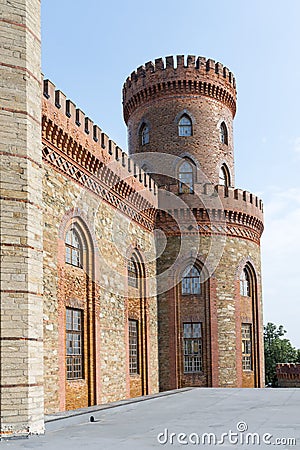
point(183, 109)
point(180, 128)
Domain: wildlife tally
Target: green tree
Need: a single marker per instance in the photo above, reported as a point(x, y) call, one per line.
point(277, 350)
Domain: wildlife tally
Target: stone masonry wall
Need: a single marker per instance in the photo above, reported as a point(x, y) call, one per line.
point(113, 236)
point(21, 334)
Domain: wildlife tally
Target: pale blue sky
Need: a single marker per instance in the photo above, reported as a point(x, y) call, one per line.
point(89, 48)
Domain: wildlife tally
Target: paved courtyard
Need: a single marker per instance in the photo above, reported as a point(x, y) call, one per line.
point(224, 418)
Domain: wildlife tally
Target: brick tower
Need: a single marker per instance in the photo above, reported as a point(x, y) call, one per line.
point(21, 336)
point(180, 128)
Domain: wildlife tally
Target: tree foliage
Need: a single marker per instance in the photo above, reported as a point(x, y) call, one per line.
point(277, 350)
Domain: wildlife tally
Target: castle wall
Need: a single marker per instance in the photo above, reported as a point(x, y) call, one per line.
point(203, 221)
point(100, 289)
point(21, 334)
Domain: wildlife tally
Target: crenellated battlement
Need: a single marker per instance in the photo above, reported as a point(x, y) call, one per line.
point(190, 75)
point(66, 126)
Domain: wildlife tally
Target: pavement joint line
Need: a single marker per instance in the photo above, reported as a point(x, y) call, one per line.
point(93, 409)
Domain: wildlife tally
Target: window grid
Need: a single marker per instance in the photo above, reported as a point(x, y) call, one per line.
point(186, 178)
point(192, 347)
point(133, 347)
point(132, 273)
point(246, 346)
point(145, 134)
point(73, 248)
point(74, 346)
point(190, 283)
point(185, 126)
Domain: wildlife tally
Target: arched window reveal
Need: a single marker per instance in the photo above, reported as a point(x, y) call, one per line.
point(224, 177)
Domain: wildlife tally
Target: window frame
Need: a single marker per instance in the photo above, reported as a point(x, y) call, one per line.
point(186, 187)
point(224, 133)
point(72, 357)
point(132, 273)
point(247, 350)
point(190, 287)
point(145, 134)
point(73, 253)
point(192, 361)
point(133, 347)
point(182, 127)
point(245, 288)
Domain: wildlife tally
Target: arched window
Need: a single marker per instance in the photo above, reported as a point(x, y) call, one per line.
point(224, 177)
point(224, 133)
point(145, 134)
point(245, 283)
point(73, 248)
point(186, 178)
point(190, 283)
point(132, 273)
point(185, 126)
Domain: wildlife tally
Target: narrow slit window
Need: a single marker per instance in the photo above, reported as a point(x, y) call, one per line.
point(185, 126)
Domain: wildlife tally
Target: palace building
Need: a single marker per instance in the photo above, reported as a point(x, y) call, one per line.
point(122, 275)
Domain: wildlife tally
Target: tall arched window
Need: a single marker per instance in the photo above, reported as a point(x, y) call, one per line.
point(245, 283)
point(186, 178)
point(224, 177)
point(132, 273)
point(73, 248)
point(145, 134)
point(224, 133)
point(185, 126)
point(190, 283)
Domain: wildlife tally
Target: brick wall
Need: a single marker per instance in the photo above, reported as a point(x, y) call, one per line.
point(288, 375)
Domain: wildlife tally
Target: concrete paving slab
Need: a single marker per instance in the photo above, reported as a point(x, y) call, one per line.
point(225, 418)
